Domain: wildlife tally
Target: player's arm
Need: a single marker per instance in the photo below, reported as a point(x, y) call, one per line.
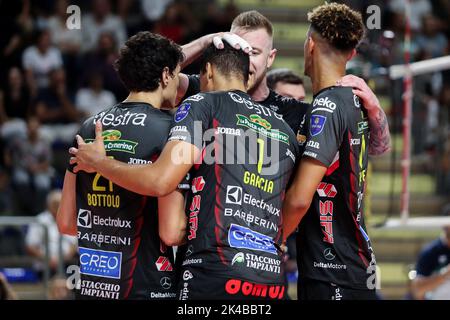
point(299, 196)
point(324, 137)
point(194, 49)
point(172, 218)
point(66, 217)
point(380, 137)
point(157, 179)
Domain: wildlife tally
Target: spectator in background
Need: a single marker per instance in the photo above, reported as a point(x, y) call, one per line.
point(54, 109)
point(99, 21)
point(443, 175)
point(39, 60)
point(15, 25)
point(286, 83)
point(67, 40)
point(431, 43)
point(93, 99)
point(153, 10)
point(102, 61)
point(218, 19)
point(29, 160)
point(35, 240)
point(419, 8)
point(433, 270)
point(177, 23)
point(131, 14)
point(14, 105)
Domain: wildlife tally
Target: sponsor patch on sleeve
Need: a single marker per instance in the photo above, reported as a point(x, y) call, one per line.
point(317, 124)
point(182, 112)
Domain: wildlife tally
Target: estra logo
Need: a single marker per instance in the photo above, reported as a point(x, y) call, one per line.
point(246, 288)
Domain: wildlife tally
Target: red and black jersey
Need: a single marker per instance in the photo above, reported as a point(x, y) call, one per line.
point(237, 189)
point(121, 255)
point(332, 241)
point(291, 109)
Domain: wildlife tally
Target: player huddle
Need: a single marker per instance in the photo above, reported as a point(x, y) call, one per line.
point(231, 174)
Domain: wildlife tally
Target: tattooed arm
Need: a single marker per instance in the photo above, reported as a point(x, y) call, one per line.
point(380, 138)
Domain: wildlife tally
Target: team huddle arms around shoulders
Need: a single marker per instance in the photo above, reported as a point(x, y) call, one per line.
point(229, 176)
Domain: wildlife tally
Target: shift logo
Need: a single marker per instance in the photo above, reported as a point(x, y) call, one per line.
point(163, 264)
point(198, 184)
point(234, 195)
point(100, 263)
point(84, 219)
point(326, 190)
point(245, 238)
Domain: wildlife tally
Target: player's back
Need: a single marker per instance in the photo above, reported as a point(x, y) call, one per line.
point(121, 255)
point(235, 202)
point(332, 238)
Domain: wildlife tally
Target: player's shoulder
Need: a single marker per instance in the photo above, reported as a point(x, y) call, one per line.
point(277, 102)
point(331, 100)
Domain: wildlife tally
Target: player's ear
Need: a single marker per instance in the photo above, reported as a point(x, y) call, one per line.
point(165, 76)
point(351, 55)
point(271, 57)
point(311, 44)
point(209, 71)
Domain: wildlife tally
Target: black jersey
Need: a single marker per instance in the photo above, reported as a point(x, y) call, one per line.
point(121, 255)
point(291, 109)
point(234, 205)
point(333, 244)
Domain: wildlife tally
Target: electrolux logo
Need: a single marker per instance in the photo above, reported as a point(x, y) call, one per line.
point(84, 219)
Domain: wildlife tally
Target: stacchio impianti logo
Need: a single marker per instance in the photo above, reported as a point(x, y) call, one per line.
point(112, 141)
point(255, 123)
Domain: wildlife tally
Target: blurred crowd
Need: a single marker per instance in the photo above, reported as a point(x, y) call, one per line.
point(430, 35)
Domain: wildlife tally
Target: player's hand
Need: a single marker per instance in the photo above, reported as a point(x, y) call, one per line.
point(233, 40)
point(88, 154)
point(362, 90)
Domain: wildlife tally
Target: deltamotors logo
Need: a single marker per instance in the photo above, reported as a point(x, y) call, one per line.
point(245, 238)
point(100, 263)
point(84, 218)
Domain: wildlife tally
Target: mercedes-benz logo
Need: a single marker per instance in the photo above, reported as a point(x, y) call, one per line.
point(189, 250)
point(166, 283)
point(328, 254)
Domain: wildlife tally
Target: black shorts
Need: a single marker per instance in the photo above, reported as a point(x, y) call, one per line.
point(318, 290)
point(200, 285)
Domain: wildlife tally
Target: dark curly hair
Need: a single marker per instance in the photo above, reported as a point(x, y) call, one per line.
point(227, 60)
point(142, 59)
point(340, 26)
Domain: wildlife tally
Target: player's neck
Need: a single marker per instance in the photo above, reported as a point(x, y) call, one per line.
point(153, 98)
point(229, 84)
point(260, 92)
point(326, 77)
